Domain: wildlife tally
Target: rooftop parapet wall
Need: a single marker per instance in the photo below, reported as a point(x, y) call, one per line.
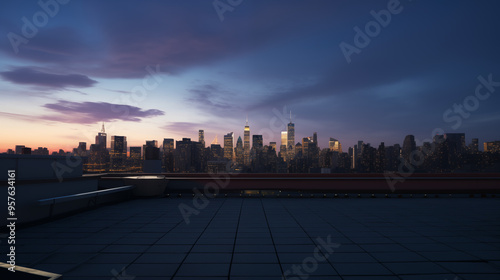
point(349, 183)
point(34, 167)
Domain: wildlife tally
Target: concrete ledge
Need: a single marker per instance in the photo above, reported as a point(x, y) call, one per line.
point(54, 200)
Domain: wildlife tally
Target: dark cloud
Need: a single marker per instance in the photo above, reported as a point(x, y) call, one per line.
point(122, 39)
point(212, 97)
point(92, 112)
point(30, 76)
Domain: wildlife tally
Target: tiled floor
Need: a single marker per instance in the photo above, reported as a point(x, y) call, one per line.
point(266, 238)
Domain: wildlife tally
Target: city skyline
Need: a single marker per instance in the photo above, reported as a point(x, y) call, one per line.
point(323, 140)
point(332, 144)
point(446, 153)
point(167, 69)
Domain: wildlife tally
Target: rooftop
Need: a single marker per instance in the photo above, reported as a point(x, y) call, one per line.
point(266, 238)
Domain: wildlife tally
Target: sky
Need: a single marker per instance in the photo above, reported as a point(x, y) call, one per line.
point(352, 70)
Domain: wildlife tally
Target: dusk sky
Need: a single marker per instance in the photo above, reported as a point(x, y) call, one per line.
point(165, 69)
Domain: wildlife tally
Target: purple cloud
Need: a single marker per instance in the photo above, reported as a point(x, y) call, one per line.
point(213, 97)
point(182, 126)
point(92, 112)
point(128, 37)
point(29, 76)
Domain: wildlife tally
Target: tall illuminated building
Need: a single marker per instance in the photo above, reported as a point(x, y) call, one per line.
point(98, 154)
point(201, 137)
point(246, 144)
point(229, 146)
point(101, 138)
point(168, 145)
point(135, 159)
point(119, 145)
point(291, 138)
point(284, 141)
point(335, 145)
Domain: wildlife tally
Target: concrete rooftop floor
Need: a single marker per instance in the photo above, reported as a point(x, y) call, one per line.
point(265, 238)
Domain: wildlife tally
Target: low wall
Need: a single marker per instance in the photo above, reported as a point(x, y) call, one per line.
point(351, 183)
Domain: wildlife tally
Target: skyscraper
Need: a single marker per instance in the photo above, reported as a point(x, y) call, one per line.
point(305, 146)
point(229, 146)
point(257, 142)
point(246, 144)
point(335, 145)
point(101, 138)
point(152, 162)
point(118, 145)
point(474, 146)
point(187, 156)
point(239, 151)
point(291, 138)
point(201, 137)
point(99, 156)
point(284, 141)
point(168, 145)
point(151, 150)
point(135, 159)
point(168, 155)
point(118, 153)
point(409, 146)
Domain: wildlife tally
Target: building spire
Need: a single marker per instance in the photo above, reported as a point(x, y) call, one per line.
point(102, 129)
point(215, 140)
point(290, 116)
point(247, 120)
